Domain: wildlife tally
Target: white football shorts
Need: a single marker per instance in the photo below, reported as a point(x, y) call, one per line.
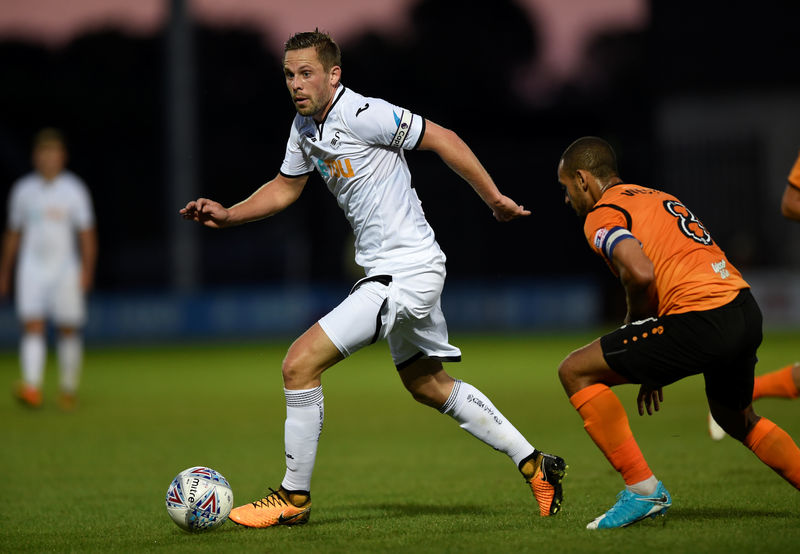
point(42, 296)
point(405, 309)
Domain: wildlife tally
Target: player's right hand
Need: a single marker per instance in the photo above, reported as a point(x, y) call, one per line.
point(505, 209)
point(205, 211)
point(649, 399)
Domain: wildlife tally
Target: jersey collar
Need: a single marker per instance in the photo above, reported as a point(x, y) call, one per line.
point(338, 94)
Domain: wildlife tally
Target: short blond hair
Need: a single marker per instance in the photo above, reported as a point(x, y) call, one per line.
point(328, 51)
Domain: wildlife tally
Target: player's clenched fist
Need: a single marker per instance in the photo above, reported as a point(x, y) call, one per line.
point(205, 211)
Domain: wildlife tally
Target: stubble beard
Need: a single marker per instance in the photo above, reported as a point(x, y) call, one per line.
point(313, 107)
point(310, 110)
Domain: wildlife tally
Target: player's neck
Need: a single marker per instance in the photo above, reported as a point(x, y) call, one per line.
point(49, 176)
point(613, 182)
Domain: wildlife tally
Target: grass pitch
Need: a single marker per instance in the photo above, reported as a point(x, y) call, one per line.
point(391, 475)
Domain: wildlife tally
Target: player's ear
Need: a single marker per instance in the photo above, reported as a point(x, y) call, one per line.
point(335, 75)
point(581, 177)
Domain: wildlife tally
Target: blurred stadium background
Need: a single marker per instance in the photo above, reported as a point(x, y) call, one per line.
point(166, 100)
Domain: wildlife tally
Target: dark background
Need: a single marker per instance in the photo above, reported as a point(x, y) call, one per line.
point(107, 91)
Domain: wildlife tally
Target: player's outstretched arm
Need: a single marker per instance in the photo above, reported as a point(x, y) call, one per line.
point(460, 158)
point(8, 257)
point(88, 247)
point(269, 199)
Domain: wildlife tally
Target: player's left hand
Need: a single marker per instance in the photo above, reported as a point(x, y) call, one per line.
point(505, 209)
point(649, 399)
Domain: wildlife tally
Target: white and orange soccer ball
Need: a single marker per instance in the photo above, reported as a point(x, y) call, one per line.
point(199, 499)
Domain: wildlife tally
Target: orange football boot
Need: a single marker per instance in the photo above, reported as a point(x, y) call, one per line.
point(273, 509)
point(28, 395)
point(544, 474)
point(67, 401)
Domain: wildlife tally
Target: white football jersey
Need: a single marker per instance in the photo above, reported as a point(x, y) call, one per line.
point(358, 150)
point(49, 214)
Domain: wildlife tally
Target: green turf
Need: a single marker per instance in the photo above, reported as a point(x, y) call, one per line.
point(391, 476)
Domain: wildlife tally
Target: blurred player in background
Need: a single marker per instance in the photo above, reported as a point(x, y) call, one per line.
point(357, 145)
point(784, 382)
point(790, 203)
point(689, 312)
point(51, 238)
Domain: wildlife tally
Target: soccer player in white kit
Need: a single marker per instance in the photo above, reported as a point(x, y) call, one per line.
point(51, 236)
point(357, 145)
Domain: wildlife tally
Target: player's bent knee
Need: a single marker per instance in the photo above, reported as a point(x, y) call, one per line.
point(424, 397)
point(34, 326)
point(428, 392)
point(567, 370)
point(427, 382)
point(296, 373)
point(736, 423)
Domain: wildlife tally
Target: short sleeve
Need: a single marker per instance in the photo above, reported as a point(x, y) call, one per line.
point(378, 122)
point(605, 227)
point(15, 208)
point(295, 162)
point(84, 210)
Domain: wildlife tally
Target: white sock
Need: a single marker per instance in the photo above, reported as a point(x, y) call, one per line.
point(70, 358)
point(305, 411)
point(32, 355)
point(644, 488)
point(476, 414)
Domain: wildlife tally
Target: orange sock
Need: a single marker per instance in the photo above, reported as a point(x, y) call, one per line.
point(775, 447)
point(605, 420)
point(779, 383)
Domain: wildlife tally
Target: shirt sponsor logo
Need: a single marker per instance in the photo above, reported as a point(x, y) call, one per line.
point(719, 267)
point(54, 213)
point(336, 168)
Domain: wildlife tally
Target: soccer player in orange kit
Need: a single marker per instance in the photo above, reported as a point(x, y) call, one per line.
point(689, 312)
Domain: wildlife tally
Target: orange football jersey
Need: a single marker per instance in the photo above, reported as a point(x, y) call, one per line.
point(692, 272)
point(794, 175)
